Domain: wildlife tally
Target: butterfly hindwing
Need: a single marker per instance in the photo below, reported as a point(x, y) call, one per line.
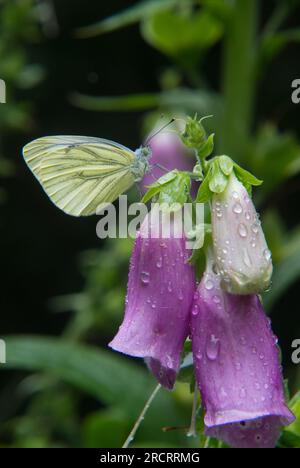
point(80, 173)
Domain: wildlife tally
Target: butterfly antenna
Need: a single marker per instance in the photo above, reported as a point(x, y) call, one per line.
point(158, 131)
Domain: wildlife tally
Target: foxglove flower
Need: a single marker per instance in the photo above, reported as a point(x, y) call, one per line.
point(160, 292)
point(237, 367)
point(169, 152)
point(242, 255)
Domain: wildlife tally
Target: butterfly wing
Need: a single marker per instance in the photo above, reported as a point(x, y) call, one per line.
point(80, 173)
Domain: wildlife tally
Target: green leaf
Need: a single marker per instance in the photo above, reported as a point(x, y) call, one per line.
point(275, 156)
point(130, 16)
point(275, 43)
point(292, 432)
point(105, 375)
point(176, 99)
point(105, 429)
point(226, 165)
point(246, 177)
point(289, 440)
point(116, 103)
point(181, 34)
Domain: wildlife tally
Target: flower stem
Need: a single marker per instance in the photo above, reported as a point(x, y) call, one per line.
point(192, 432)
point(141, 417)
point(239, 77)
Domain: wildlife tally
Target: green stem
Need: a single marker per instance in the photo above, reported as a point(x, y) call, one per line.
point(239, 78)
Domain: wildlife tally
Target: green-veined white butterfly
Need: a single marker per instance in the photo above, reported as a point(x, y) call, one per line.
point(80, 173)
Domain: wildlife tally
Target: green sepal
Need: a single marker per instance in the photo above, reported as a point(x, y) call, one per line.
point(226, 165)
point(157, 186)
point(204, 193)
point(207, 147)
point(218, 180)
point(198, 172)
point(175, 192)
point(246, 177)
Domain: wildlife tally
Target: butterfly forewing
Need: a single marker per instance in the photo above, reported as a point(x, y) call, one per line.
point(80, 173)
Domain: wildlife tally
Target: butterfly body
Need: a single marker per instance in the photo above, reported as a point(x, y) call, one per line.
point(79, 174)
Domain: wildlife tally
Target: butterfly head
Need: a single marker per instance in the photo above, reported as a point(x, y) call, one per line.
point(142, 162)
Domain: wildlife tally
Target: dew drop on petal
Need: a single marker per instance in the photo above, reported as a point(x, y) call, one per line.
point(267, 255)
point(243, 231)
point(212, 348)
point(237, 208)
point(216, 299)
point(145, 277)
point(209, 285)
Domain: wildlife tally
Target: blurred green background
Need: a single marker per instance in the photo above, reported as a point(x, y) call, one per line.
point(62, 289)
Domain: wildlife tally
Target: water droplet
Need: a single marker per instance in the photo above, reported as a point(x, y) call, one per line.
point(209, 285)
point(235, 195)
point(267, 255)
point(247, 216)
point(148, 300)
point(170, 289)
point(238, 366)
point(257, 385)
point(213, 348)
point(243, 231)
point(255, 228)
point(237, 208)
point(159, 263)
point(227, 242)
point(217, 299)
point(225, 251)
point(180, 295)
point(195, 310)
point(145, 277)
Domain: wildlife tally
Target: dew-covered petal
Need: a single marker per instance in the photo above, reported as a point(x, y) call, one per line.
point(259, 433)
point(242, 255)
point(160, 292)
point(237, 366)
